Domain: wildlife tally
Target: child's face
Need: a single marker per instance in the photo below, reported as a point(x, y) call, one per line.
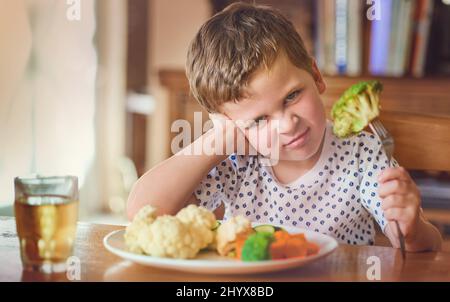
point(290, 96)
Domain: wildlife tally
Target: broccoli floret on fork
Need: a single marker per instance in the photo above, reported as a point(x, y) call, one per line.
point(356, 108)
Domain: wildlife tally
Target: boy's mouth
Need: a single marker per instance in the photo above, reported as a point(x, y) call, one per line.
point(297, 141)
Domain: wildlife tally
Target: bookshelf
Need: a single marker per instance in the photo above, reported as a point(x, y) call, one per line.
point(399, 38)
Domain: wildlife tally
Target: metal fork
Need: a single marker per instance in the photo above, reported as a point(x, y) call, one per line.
point(388, 144)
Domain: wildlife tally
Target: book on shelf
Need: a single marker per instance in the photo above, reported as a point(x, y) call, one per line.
point(380, 40)
point(329, 43)
point(341, 36)
point(438, 50)
point(398, 43)
point(422, 21)
point(355, 38)
point(319, 34)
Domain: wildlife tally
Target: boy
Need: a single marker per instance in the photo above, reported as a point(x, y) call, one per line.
point(248, 63)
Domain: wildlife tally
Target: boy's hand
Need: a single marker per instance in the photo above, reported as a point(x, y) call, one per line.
point(233, 137)
point(400, 200)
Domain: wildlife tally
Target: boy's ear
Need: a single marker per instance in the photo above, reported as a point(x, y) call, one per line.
point(318, 79)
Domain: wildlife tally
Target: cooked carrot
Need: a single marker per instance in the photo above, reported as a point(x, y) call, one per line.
point(299, 236)
point(291, 245)
point(296, 248)
point(279, 235)
point(277, 249)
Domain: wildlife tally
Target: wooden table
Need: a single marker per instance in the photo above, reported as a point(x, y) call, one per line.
point(347, 263)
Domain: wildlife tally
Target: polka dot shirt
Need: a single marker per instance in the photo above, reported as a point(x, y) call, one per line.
point(338, 196)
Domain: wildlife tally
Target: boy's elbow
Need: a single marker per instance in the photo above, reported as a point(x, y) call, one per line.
point(132, 205)
point(131, 209)
point(130, 212)
point(139, 197)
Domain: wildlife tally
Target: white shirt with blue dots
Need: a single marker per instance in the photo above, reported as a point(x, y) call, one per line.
point(338, 196)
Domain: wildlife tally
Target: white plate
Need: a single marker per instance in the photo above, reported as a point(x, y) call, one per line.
point(211, 263)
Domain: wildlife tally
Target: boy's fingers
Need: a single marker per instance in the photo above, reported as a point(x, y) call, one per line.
point(394, 231)
point(398, 214)
point(394, 173)
point(395, 186)
point(240, 132)
point(393, 201)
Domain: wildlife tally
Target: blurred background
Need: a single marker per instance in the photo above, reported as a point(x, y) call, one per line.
point(91, 87)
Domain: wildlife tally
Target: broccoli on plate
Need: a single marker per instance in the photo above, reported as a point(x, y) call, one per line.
point(256, 247)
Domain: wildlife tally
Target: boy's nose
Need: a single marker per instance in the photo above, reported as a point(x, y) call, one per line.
point(288, 123)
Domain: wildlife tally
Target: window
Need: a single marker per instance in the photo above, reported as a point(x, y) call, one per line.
point(48, 81)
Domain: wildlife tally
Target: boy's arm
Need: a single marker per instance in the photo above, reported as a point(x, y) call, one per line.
point(170, 185)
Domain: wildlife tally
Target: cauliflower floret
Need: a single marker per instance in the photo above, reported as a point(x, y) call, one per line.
point(198, 216)
point(144, 217)
point(200, 221)
point(228, 232)
point(167, 236)
point(212, 246)
point(146, 213)
point(180, 236)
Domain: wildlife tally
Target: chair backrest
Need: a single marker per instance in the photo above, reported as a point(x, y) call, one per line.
point(421, 142)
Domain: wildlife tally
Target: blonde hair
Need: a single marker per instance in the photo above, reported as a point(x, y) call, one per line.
point(235, 43)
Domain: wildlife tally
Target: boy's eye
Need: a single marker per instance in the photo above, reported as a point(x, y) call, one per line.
point(292, 96)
